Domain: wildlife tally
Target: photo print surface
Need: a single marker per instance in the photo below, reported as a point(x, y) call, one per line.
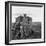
point(26, 24)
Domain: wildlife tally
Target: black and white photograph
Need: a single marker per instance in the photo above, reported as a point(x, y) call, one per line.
point(24, 22)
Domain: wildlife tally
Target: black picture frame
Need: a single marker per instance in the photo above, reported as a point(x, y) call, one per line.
point(7, 18)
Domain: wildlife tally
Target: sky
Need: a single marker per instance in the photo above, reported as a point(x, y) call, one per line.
point(37, 13)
